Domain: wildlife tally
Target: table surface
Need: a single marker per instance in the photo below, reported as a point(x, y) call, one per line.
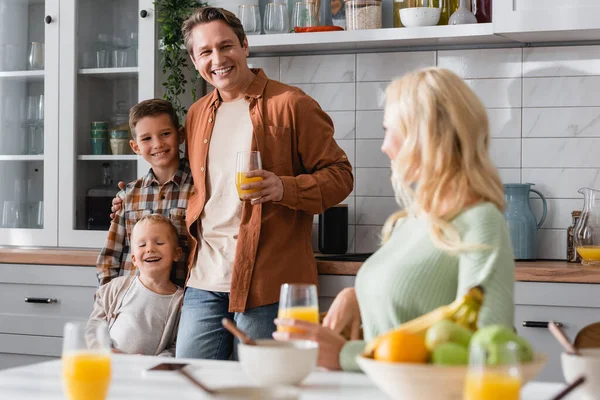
point(130, 382)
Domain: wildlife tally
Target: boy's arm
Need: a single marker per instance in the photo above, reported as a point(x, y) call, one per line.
point(108, 264)
point(97, 316)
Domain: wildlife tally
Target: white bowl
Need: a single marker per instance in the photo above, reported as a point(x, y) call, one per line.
point(401, 381)
point(587, 364)
point(272, 363)
point(259, 393)
point(420, 16)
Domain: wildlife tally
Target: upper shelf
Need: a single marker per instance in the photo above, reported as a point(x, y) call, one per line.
point(374, 39)
point(110, 73)
point(23, 75)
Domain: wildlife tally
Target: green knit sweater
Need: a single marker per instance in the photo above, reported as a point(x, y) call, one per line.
point(408, 276)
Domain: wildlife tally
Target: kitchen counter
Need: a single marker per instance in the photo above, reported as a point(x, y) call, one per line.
point(531, 271)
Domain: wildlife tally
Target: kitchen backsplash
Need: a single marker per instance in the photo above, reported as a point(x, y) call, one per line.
point(544, 110)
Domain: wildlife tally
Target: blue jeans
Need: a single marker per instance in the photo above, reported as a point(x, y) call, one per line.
point(201, 334)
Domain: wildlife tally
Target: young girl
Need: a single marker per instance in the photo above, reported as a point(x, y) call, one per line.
point(450, 235)
point(142, 311)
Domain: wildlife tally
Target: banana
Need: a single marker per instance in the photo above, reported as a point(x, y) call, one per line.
point(464, 311)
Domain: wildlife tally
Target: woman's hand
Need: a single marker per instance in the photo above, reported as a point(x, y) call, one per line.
point(330, 343)
point(344, 314)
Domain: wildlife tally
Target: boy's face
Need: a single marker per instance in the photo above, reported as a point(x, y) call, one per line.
point(154, 247)
point(157, 141)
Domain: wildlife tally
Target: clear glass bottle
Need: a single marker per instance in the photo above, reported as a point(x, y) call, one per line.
point(586, 234)
point(572, 255)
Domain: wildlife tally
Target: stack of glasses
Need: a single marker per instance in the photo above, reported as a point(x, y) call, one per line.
point(99, 138)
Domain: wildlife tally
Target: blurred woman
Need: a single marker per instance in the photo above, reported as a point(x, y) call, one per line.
point(450, 234)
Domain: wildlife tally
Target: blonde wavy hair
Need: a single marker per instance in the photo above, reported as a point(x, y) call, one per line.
point(443, 164)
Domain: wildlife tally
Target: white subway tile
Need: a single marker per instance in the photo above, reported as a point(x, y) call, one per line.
point(318, 69)
point(560, 153)
point(374, 210)
point(368, 238)
point(369, 125)
point(558, 215)
point(583, 91)
point(510, 175)
point(497, 93)
point(270, 65)
point(561, 61)
point(505, 122)
point(373, 182)
point(552, 244)
point(561, 122)
point(369, 155)
point(506, 153)
point(370, 95)
point(349, 147)
point(344, 124)
point(482, 63)
point(562, 183)
point(331, 96)
point(388, 66)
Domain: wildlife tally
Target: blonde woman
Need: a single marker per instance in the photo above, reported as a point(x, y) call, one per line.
point(450, 234)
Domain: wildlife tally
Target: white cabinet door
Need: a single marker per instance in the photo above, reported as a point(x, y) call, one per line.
point(107, 66)
point(29, 98)
point(547, 20)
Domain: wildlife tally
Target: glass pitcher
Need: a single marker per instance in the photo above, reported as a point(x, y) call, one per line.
point(587, 230)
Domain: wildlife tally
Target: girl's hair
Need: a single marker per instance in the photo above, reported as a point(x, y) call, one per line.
point(443, 165)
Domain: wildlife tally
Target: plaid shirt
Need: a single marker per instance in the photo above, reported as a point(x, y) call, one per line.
point(142, 197)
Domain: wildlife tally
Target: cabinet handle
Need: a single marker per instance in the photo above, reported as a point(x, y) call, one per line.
point(48, 19)
point(539, 324)
point(143, 13)
point(40, 300)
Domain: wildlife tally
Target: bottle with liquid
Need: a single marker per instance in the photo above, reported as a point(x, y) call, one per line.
point(586, 234)
point(482, 10)
point(572, 255)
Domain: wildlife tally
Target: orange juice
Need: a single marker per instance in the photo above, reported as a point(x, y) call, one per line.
point(309, 314)
point(492, 386)
point(589, 253)
point(86, 376)
point(241, 179)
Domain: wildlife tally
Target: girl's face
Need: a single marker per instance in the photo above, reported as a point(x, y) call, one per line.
point(392, 141)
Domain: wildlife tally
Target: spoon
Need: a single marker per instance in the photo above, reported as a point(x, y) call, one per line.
point(569, 388)
point(235, 331)
point(562, 338)
point(196, 382)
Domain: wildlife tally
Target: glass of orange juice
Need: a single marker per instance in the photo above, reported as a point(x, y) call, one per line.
point(298, 301)
point(494, 373)
point(86, 362)
point(247, 161)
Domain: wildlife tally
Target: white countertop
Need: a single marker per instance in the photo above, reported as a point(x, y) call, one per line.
point(43, 382)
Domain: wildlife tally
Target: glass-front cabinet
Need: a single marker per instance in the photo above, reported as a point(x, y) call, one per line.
point(109, 67)
point(29, 98)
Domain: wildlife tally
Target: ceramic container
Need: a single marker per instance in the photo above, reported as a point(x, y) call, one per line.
point(420, 16)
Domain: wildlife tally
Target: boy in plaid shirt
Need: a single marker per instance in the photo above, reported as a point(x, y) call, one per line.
point(164, 190)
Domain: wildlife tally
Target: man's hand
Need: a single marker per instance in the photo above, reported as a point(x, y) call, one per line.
point(117, 201)
point(270, 188)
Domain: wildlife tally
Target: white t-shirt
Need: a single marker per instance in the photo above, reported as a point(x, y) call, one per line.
point(220, 220)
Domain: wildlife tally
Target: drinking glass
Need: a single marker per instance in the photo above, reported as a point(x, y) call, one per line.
point(102, 58)
point(250, 18)
point(36, 56)
point(246, 161)
point(298, 301)
point(304, 14)
point(12, 214)
point(119, 58)
point(86, 362)
point(494, 372)
point(276, 18)
point(36, 215)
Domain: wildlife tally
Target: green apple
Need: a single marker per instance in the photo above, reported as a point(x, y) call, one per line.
point(492, 337)
point(445, 331)
point(450, 353)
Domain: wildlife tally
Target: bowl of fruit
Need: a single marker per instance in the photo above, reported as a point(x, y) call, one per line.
point(427, 358)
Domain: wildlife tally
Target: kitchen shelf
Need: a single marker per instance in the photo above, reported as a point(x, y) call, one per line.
point(125, 157)
point(25, 157)
point(23, 75)
point(374, 39)
point(110, 73)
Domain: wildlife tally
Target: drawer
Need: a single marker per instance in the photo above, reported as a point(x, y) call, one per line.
point(573, 320)
point(18, 360)
point(30, 345)
point(19, 316)
point(48, 275)
point(329, 286)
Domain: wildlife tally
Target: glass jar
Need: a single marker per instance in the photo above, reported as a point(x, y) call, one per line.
point(572, 255)
point(586, 235)
point(363, 14)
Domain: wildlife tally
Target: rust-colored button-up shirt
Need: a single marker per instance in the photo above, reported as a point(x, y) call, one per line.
point(295, 139)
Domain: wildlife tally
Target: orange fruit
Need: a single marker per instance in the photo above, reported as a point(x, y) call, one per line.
point(402, 347)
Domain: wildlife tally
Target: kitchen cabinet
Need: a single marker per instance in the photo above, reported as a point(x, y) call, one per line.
point(547, 20)
point(35, 303)
point(99, 51)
